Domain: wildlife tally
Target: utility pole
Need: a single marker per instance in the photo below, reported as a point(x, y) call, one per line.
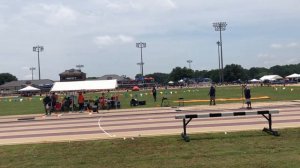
point(189, 61)
point(221, 26)
point(141, 46)
point(38, 49)
point(32, 69)
point(220, 74)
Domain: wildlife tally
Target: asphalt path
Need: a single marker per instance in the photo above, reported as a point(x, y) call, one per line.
point(138, 122)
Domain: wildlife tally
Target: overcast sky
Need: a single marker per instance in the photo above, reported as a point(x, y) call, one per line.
point(102, 35)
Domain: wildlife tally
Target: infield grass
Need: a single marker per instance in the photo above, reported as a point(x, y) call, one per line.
point(234, 149)
point(13, 106)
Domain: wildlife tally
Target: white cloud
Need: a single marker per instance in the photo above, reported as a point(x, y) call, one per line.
point(292, 45)
point(125, 39)
point(276, 46)
point(293, 61)
point(107, 40)
point(59, 14)
point(51, 14)
point(265, 56)
point(141, 5)
point(288, 45)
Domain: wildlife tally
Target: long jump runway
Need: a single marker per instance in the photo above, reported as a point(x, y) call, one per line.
point(138, 123)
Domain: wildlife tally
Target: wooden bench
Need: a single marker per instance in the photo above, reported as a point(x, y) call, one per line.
point(267, 114)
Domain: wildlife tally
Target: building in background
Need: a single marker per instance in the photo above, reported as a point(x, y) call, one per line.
point(72, 75)
point(12, 87)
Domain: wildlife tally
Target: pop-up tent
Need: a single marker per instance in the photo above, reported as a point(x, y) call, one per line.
point(29, 89)
point(270, 77)
point(93, 85)
point(255, 81)
point(135, 88)
point(293, 76)
point(74, 86)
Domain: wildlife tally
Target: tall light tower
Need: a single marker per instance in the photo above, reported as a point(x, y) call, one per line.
point(139, 64)
point(141, 45)
point(32, 69)
point(221, 26)
point(38, 49)
point(189, 61)
point(220, 74)
point(79, 66)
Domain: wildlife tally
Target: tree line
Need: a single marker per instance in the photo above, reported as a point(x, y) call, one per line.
point(232, 72)
point(7, 77)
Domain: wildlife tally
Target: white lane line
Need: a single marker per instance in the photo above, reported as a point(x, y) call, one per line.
point(104, 130)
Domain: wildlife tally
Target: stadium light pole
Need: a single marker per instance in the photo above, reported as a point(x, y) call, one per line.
point(141, 46)
point(139, 64)
point(32, 69)
point(38, 49)
point(189, 61)
point(221, 26)
point(220, 78)
point(79, 66)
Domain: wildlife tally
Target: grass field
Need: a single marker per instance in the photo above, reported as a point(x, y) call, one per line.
point(13, 106)
point(234, 149)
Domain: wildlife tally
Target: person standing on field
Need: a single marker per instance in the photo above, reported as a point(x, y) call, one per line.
point(80, 101)
point(247, 94)
point(154, 93)
point(212, 94)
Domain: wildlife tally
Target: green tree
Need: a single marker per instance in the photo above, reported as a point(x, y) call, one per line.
point(213, 75)
point(6, 77)
point(258, 72)
point(201, 74)
point(160, 78)
point(180, 73)
point(234, 72)
point(285, 70)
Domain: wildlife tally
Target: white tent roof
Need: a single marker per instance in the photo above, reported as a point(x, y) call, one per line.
point(84, 85)
point(294, 76)
point(170, 82)
point(255, 80)
point(270, 77)
point(29, 89)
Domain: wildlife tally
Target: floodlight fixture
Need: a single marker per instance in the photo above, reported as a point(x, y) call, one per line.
point(189, 61)
point(79, 66)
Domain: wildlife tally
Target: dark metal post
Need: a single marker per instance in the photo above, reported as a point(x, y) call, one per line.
point(141, 45)
point(184, 127)
point(220, 76)
point(39, 65)
point(222, 72)
point(32, 69)
point(189, 61)
point(38, 49)
point(221, 26)
point(270, 122)
point(142, 62)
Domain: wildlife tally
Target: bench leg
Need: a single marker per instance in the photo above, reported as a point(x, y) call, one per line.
point(270, 130)
point(184, 134)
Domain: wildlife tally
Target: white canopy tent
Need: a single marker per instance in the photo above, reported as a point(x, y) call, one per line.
point(29, 89)
point(270, 77)
point(255, 81)
point(293, 76)
point(92, 85)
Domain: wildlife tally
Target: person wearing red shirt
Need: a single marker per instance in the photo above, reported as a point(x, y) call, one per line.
point(80, 101)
